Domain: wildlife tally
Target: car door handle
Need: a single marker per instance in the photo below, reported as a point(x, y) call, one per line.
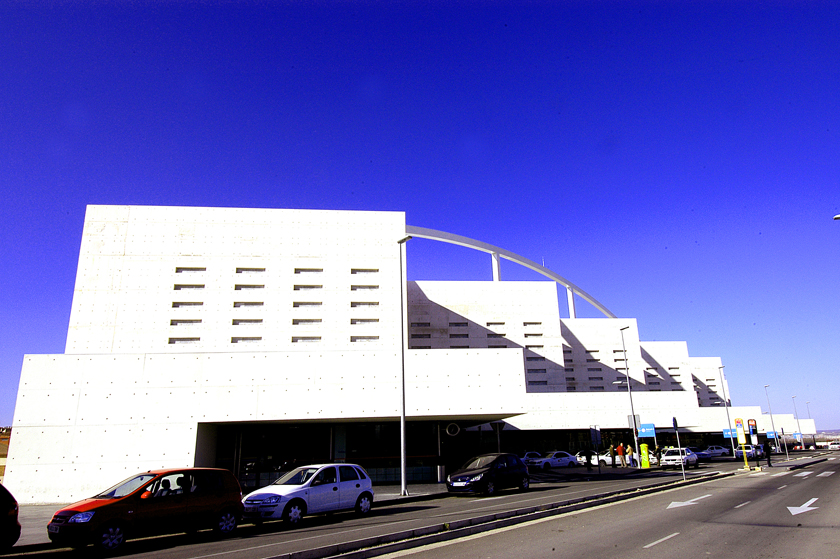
point(335, 488)
point(358, 485)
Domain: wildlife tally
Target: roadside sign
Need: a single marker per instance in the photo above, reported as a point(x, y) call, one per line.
point(739, 429)
point(752, 426)
point(729, 434)
point(676, 427)
point(595, 435)
point(633, 422)
point(771, 434)
point(798, 437)
point(647, 430)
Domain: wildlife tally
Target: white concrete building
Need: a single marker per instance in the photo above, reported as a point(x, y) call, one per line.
point(248, 338)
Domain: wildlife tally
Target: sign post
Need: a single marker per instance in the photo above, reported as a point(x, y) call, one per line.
point(595, 437)
point(742, 439)
point(679, 448)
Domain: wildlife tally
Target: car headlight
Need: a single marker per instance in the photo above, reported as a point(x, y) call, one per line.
point(448, 479)
point(81, 517)
point(273, 500)
point(476, 478)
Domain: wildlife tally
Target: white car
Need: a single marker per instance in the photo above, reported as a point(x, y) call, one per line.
point(311, 490)
point(553, 459)
point(747, 449)
point(675, 457)
point(718, 450)
point(834, 445)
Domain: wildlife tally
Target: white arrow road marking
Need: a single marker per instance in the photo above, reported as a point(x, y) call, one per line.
point(804, 508)
point(676, 504)
point(825, 474)
point(803, 474)
point(662, 540)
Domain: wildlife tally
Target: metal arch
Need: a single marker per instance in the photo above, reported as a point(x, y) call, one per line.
point(434, 235)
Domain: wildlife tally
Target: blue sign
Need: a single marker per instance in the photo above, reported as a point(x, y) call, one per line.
point(647, 430)
point(771, 434)
point(730, 434)
point(798, 436)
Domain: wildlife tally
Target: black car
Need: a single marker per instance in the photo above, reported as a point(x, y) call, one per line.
point(488, 473)
point(9, 524)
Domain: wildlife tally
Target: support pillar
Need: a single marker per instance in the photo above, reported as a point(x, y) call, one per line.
point(497, 269)
point(570, 297)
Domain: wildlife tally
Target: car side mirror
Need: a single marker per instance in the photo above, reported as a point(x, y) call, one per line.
point(145, 494)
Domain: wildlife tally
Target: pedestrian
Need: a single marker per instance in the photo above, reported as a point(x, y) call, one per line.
point(620, 452)
point(769, 452)
point(587, 455)
point(612, 455)
point(630, 456)
point(658, 453)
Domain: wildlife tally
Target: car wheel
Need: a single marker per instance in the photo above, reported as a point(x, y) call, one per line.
point(602, 463)
point(546, 466)
point(363, 503)
point(225, 523)
point(111, 538)
point(294, 511)
point(524, 483)
point(571, 464)
point(696, 464)
point(490, 488)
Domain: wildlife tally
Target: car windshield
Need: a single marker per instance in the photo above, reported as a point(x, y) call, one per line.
point(672, 452)
point(297, 476)
point(548, 455)
point(123, 488)
point(480, 462)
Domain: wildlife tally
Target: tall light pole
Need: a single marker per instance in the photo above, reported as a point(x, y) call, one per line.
point(630, 393)
point(775, 433)
point(403, 488)
point(799, 427)
point(726, 405)
point(814, 436)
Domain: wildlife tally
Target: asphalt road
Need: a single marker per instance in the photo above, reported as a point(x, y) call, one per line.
point(275, 540)
point(774, 513)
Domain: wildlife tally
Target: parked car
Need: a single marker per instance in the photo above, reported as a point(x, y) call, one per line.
point(719, 451)
point(747, 449)
point(702, 455)
point(553, 459)
point(488, 473)
point(834, 445)
point(9, 523)
point(311, 490)
point(676, 457)
point(530, 455)
point(153, 503)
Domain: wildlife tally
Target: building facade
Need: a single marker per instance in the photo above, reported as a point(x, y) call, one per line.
point(253, 339)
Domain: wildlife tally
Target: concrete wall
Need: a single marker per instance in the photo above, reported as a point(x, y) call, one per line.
point(84, 422)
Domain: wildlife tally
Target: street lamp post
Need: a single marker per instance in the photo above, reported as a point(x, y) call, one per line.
point(403, 488)
point(726, 405)
point(630, 393)
point(772, 423)
point(814, 436)
point(799, 427)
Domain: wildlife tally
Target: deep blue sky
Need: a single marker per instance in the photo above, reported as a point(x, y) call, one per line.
point(677, 160)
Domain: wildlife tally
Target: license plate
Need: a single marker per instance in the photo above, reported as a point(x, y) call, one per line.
point(459, 483)
point(251, 509)
point(52, 528)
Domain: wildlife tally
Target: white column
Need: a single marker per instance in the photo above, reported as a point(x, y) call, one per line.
point(570, 297)
point(497, 269)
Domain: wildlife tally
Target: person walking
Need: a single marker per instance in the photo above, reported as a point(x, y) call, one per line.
point(630, 456)
point(612, 455)
point(620, 452)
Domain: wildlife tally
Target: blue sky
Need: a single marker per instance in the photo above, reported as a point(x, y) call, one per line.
point(676, 160)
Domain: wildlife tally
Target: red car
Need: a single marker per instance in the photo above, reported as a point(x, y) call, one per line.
point(152, 503)
point(9, 524)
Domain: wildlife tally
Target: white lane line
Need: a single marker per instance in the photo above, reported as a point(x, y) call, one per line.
point(758, 474)
point(781, 474)
point(803, 474)
point(782, 487)
point(825, 474)
point(743, 504)
point(662, 540)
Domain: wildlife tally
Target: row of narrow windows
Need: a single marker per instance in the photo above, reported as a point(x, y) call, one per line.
point(295, 304)
point(247, 270)
point(247, 339)
point(465, 324)
point(244, 321)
